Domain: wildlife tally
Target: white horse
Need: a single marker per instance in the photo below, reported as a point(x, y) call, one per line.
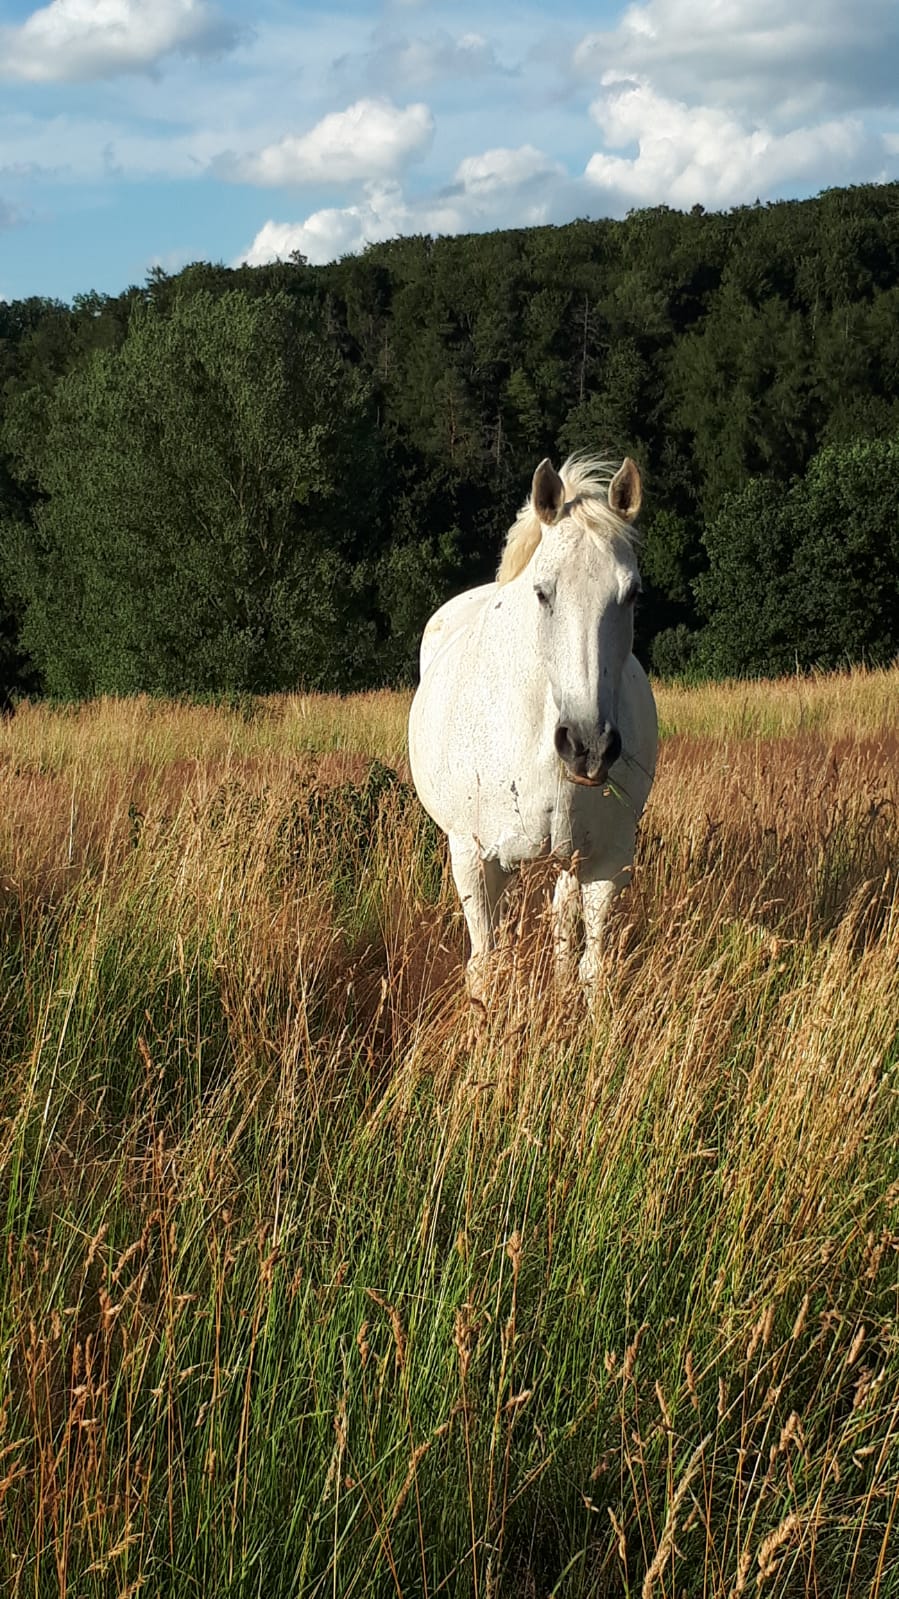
point(533, 729)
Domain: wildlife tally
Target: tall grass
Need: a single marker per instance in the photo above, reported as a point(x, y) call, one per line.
point(141, 736)
point(313, 1283)
point(851, 702)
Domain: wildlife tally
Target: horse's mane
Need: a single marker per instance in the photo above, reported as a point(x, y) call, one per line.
point(586, 482)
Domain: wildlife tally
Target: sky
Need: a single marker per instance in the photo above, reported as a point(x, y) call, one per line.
point(143, 133)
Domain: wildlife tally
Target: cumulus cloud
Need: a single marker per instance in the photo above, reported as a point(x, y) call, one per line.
point(498, 188)
point(72, 40)
point(371, 139)
point(383, 213)
point(497, 171)
point(701, 154)
point(788, 62)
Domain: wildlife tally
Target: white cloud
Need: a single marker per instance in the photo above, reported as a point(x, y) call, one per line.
point(495, 171)
point(786, 62)
point(325, 235)
point(71, 40)
point(500, 187)
point(701, 154)
point(371, 139)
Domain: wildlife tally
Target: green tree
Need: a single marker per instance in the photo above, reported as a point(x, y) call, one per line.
point(413, 579)
point(808, 576)
point(205, 515)
point(716, 348)
point(744, 391)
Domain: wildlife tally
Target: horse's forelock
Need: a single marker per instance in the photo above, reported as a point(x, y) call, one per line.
point(586, 480)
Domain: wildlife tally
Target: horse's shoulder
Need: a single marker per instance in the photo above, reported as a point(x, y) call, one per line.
point(452, 617)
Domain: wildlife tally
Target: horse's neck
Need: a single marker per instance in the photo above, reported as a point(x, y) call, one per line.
point(507, 622)
point(507, 644)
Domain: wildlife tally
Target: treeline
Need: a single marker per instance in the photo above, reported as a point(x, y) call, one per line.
point(261, 478)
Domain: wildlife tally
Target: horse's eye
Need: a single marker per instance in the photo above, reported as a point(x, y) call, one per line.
point(542, 596)
point(632, 592)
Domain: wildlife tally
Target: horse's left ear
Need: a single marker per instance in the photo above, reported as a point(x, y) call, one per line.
point(547, 493)
point(626, 490)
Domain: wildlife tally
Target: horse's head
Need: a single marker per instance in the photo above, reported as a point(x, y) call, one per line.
point(585, 580)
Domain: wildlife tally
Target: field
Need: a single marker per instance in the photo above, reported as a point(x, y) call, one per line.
point(315, 1283)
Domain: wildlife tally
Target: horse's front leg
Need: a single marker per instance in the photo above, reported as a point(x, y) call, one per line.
point(566, 916)
point(597, 897)
point(481, 885)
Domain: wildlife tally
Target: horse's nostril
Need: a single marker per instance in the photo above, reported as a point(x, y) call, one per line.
point(568, 745)
point(611, 745)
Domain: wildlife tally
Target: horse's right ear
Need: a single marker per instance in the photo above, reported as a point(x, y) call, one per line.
point(626, 490)
point(547, 493)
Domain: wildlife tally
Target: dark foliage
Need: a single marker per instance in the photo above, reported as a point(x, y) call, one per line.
point(266, 477)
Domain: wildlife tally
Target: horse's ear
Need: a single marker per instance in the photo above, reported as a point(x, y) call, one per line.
point(626, 490)
point(547, 493)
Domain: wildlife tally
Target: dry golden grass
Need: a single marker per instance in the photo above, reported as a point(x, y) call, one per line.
point(848, 703)
point(144, 735)
point(314, 1284)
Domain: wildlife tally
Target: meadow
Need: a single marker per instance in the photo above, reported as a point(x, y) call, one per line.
point(315, 1282)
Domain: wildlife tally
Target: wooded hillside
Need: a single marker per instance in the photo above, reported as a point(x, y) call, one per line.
point(261, 478)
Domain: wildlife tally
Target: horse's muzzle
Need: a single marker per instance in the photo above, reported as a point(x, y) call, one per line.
point(585, 765)
point(585, 782)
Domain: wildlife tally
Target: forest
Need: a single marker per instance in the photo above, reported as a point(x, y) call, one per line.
point(259, 479)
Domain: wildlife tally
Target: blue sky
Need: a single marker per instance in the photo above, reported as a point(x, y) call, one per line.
point(144, 132)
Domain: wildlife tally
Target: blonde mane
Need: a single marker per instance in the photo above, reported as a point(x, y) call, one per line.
point(586, 481)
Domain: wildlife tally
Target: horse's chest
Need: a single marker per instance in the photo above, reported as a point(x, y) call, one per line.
point(518, 819)
point(521, 826)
